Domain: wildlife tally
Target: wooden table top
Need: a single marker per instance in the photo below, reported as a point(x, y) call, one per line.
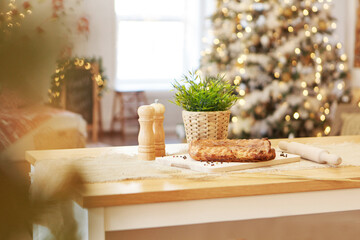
point(128, 192)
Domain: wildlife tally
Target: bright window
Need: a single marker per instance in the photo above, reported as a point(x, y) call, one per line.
point(157, 41)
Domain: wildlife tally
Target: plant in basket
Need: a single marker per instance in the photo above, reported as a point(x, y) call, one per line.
point(206, 103)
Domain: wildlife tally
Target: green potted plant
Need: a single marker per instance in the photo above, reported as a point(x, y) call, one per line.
point(206, 103)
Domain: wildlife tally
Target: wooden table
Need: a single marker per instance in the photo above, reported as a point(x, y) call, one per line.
point(148, 203)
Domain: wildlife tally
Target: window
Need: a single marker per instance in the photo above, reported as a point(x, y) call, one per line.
point(157, 41)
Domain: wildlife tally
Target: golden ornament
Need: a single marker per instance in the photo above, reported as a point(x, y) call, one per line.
point(287, 12)
point(322, 25)
point(286, 76)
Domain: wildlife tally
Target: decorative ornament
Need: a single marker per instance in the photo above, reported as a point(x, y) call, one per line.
point(322, 25)
point(285, 76)
point(287, 12)
point(265, 41)
point(255, 38)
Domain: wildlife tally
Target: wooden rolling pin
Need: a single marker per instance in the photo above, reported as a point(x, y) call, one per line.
point(309, 152)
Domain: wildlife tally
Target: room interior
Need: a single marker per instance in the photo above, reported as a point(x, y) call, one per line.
point(75, 74)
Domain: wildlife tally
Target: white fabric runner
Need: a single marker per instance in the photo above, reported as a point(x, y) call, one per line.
point(114, 165)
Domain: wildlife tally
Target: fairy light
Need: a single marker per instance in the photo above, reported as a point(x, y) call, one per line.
point(248, 29)
point(333, 25)
point(325, 39)
point(276, 74)
point(305, 93)
point(319, 68)
point(328, 47)
point(341, 66)
point(314, 9)
point(307, 33)
point(319, 97)
point(327, 111)
point(293, 8)
point(290, 29)
point(314, 29)
point(216, 41)
point(303, 84)
point(296, 115)
point(239, 35)
point(249, 18)
point(234, 119)
point(340, 86)
point(225, 11)
point(322, 117)
point(316, 89)
point(297, 51)
point(305, 12)
point(343, 57)
point(312, 55)
point(306, 105)
point(242, 102)
point(242, 92)
point(239, 27)
point(319, 134)
point(317, 75)
point(318, 60)
point(326, 6)
point(338, 45)
point(287, 118)
point(327, 130)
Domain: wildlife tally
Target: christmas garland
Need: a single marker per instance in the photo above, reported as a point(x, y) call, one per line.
point(64, 67)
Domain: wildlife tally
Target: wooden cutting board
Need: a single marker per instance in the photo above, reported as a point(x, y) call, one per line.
point(185, 161)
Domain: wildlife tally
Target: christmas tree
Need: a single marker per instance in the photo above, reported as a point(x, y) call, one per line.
point(281, 54)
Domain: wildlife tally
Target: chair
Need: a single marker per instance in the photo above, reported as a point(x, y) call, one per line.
point(125, 107)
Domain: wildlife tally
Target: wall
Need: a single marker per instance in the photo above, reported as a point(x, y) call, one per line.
point(102, 38)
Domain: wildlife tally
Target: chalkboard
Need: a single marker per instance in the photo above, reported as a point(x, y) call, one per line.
point(79, 93)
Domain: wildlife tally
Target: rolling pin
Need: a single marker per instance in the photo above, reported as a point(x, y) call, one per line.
point(310, 153)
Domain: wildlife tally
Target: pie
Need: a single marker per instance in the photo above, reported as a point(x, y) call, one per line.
point(232, 150)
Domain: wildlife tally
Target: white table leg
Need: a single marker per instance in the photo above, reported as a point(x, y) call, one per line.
point(96, 224)
point(91, 224)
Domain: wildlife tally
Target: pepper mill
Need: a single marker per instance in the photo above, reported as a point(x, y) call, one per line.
point(159, 133)
point(146, 150)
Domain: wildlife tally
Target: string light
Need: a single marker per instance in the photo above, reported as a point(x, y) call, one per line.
point(216, 41)
point(297, 51)
point(307, 33)
point(305, 92)
point(319, 97)
point(248, 29)
point(327, 130)
point(343, 57)
point(314, 29)
point(296, 115)
point(305, 12)
point(234, 119)
point(290, 29)
point(287, 118)
point(322, 117)
point(328, 47)
point(325, 39)
point(303, 84)
point(242, 102)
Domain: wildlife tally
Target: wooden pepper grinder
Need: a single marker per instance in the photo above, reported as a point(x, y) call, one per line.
point(159, 133)
point(146, 150)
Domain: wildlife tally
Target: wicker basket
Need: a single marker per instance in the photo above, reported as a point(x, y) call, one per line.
point(206, 125)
